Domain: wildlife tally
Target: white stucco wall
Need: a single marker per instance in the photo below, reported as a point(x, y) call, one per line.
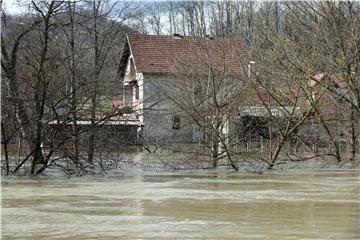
point(154, 109)
point(159, 112)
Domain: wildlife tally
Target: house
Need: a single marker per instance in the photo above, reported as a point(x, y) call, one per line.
point(331, 93)
point(149, 64)
point(114, 122)
point(331, 113)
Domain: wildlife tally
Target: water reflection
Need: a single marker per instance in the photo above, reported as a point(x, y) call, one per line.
point(309, 205)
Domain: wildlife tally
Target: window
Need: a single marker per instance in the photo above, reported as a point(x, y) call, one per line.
point(176, 122)
point(137, 92)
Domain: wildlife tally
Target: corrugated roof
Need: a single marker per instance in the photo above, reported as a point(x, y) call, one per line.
point(168, 54)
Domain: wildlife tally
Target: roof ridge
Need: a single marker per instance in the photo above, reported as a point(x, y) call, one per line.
point(186, 37)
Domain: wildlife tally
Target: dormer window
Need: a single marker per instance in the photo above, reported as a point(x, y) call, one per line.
point(177, 36)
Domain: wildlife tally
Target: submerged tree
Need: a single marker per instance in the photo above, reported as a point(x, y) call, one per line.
point(48, 72)
point(318, 38)
point(39, 73)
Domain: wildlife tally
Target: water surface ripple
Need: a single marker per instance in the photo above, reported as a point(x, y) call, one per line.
point(316, 205)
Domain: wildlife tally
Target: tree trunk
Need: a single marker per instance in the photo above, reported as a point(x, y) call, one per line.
point(22, 117)
point(6, 153)
point(37, 158)
point(270, 142)
point(332, 139)
point(75, 132)
point(215, 151)
point(276, 153)
point(353, 134)
point(91, 148)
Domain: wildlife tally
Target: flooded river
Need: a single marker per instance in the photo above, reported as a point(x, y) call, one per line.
point(316, 205)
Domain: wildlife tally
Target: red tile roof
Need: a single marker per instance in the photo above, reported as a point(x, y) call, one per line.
point(334, 80)
point(328, 90)
point(166, 54)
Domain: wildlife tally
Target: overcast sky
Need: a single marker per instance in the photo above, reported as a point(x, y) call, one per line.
point(19, 6)
point(13, 6)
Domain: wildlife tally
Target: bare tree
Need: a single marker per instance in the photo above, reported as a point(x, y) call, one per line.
point(40, 75)
point(52, 54)
point(103, 40)
point(319, 39)
point(204, 92)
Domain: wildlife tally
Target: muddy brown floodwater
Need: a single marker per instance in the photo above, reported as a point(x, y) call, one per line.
point(316, 205)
